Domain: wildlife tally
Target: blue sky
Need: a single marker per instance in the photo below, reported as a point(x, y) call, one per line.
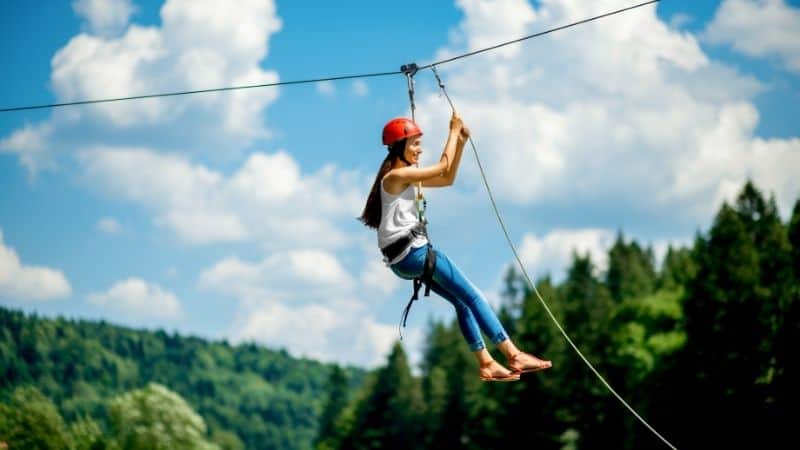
point(232, 215)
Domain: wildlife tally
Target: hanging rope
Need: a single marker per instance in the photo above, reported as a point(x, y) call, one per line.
point(318, 80)
point(530, 282)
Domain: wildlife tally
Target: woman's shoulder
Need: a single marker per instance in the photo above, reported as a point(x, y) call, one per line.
point(392, 185)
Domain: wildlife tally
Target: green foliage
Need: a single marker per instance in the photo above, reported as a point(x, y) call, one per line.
point(156, 418)
point(645, 330)
point(701, 347)
point(248, 396)
point(30, 420)
point(87, 435)
point(631, 272)
point(734, 320)
point(389, 417)
point(337, 396)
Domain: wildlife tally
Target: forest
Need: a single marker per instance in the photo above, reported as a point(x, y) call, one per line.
point(700, 344)
point(68, 384)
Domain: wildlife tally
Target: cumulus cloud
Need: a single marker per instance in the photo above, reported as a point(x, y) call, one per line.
point(22, 282)
point(306, 301)
point(278, 276)
point(138, 299)
point(31, 144)
point(759, 28)
point(552, 253)
point(105, 17)
point(261, 201)
point(199, 45)
point(626, 112)
point(317, 331)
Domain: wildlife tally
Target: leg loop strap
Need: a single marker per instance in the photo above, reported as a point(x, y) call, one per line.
point(427, 279)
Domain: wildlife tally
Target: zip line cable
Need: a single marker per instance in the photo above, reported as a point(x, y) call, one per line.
point(319, 80)
point(533, 286)
point(201, 91)
point(531, 36)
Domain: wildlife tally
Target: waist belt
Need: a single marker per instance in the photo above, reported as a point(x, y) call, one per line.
point(397, 247)
point(394, 249)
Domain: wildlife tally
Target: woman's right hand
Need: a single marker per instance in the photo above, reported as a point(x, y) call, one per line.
point(456, 124)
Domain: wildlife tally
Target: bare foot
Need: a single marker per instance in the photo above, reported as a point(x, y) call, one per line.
point(494, 371)
point(525, 362)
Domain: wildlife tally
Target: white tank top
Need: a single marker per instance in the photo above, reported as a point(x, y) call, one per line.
point(398, 218)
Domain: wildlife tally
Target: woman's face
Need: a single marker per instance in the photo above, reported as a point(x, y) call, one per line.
point(413, 149)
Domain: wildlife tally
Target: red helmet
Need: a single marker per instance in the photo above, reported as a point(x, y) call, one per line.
point(399, 128)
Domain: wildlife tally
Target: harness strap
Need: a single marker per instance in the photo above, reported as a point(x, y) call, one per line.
point(426, 278)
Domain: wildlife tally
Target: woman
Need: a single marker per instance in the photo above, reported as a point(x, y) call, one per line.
point(390, 209)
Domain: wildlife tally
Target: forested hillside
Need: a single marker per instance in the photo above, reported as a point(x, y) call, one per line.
point(80, 384)
point(703, 346)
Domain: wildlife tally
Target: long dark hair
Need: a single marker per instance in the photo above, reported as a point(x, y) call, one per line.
point(371, 216)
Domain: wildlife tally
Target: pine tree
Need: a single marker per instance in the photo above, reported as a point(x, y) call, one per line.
point(389, 417)
point(337, 396)
point(526, 413)
point(787, 394)
point(733, 315)
point(631, 271)
point(588, 306)
point(677, 269)
point(448, 375)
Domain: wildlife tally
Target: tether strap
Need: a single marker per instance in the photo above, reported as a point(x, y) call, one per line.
point(426, 278)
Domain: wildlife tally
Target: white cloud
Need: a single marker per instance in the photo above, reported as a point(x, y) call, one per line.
point(306, 301)
point(109, 225)
point(319, 273)
point(258, 202)
point(330, 334)
point(137, 299)
point(679, 20)
point(326, 88)
point(552, 253)
point(105, 17)
point(360, 88)
point(377, 276)
point(31, 144)
point(759, 28)
point(22, 282)
point(616, 112)
point(200, 44)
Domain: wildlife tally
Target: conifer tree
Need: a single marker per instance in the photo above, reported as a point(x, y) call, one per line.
point(448, 372)
point(677, 269)
point(587, 306)
point(732, 316)
point(631, 271)
point(389, 416)
point(337, 396)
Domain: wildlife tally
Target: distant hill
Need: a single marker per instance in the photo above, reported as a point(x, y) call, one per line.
point(266, 398)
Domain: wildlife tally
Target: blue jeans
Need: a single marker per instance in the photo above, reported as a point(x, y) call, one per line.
point(473, 311)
